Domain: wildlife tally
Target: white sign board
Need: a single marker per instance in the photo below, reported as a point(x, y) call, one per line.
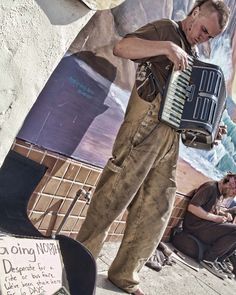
point(29, 266)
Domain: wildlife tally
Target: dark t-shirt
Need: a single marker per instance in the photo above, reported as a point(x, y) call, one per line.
point(160, 66)
point(207, 197)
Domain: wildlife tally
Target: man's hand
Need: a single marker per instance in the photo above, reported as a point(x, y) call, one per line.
point(222, 130)
point(219, 219)
point(229, 217)
point(177, 55)
point(226, 213)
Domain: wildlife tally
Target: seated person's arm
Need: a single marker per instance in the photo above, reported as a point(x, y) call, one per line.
point(201, 213)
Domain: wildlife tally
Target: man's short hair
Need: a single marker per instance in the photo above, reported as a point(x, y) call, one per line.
point(214, 6)
point(228, 176)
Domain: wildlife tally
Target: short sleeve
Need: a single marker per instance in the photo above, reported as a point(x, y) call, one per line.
point(147, 32)
point(202, 196)
point(160, 30)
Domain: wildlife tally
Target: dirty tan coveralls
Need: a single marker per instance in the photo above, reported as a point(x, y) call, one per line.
point(141, 171)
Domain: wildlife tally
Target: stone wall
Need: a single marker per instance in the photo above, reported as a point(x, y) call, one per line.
point(102, 4)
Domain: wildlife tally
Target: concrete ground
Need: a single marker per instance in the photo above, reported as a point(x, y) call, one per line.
point(178, 279)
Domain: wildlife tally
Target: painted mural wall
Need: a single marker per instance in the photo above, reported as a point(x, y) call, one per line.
point(80, 109)
point(35, 35)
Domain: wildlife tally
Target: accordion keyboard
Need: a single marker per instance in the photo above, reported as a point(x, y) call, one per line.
point(176, 95)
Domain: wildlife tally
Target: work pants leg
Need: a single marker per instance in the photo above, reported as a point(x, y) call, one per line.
point(221, 237)
point(148, 216)
point(225, 244)
point(143, 165)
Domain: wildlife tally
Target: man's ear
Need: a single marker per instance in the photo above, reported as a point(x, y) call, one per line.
point(195, 12)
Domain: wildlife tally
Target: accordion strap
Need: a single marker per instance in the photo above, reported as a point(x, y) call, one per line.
point(176, 26)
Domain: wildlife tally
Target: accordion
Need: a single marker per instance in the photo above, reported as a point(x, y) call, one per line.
point(193, 103)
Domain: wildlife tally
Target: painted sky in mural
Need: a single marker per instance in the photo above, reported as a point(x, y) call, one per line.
point(79, 111)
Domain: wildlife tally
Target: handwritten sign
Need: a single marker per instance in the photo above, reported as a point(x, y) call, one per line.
point(30, 266)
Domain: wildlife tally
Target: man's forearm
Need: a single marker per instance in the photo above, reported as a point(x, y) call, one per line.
point(201, 213)
point(136, 48)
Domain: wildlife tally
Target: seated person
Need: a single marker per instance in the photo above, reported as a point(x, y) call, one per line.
point(210, 225)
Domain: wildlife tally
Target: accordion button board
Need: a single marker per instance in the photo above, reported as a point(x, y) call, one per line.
point(194, 99)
